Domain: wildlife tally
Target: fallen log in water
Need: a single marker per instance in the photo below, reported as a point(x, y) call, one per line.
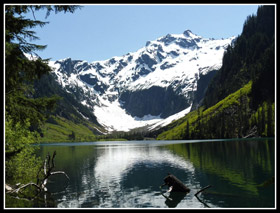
point(175, 185)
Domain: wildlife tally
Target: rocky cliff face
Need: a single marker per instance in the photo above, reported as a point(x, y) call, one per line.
point(147, 86)
point(154, 101)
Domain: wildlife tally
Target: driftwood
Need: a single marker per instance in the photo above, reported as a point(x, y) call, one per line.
point(252, 133)
point(41, 182)
point(178, 191)
point(201, 190)
point(175, 184)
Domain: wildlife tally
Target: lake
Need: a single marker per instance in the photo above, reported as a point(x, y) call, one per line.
point(129, 174)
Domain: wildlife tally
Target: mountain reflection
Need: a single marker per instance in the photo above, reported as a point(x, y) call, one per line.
point(127, 176)
point(117, 162)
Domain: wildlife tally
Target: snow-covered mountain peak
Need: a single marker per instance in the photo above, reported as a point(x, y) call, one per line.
point(157, 81)
point(188, 33)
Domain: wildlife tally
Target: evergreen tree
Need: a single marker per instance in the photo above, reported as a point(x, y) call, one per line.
point(259, 122)
point(263, 120)
point(270, 121)
point(72, 136)
point(20, 72)
point(24, 113)
point(188, 130)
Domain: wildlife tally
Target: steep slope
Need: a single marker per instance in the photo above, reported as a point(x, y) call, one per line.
point(145, 87)
point(70, 120)
point(231, 117)
point(252, 57)
point(240, 100)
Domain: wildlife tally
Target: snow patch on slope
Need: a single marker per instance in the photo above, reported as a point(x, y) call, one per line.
point(114, 118)
point(170, 119)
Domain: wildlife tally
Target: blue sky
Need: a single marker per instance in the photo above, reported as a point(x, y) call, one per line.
point(99, 32)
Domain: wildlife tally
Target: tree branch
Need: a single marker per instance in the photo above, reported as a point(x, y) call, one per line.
point(201, 190)
point(11, 190)
point(60, 172)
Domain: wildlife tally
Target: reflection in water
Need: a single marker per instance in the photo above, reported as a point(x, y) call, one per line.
point(174, 198)
point(129, 175)
point(236, 169)
point(116, 162)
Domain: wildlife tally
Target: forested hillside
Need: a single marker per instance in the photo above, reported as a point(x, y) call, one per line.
point(70, 120)
point(239, 101)
point(252, 57)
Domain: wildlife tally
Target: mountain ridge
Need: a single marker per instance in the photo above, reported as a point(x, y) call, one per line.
point(167, 68)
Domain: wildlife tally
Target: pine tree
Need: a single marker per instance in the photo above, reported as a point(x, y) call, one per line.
point(259, 122)
point(23, 112)
point(72, 136)
point(263, 120)
point(270, 129)
point(188, 130)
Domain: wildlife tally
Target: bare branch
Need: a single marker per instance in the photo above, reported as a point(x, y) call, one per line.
point(60, 172)
point(201, 190)
point(24, 186)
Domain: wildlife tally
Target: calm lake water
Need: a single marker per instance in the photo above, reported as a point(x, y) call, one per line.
point(129, 174)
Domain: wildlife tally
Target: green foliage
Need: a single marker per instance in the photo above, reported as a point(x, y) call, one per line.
point(21, 108)
point(264, 119)
point(21, 163)
point(17, 136)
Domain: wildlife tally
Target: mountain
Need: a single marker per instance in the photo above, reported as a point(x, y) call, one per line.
point(240, 100)
point(148, 88)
